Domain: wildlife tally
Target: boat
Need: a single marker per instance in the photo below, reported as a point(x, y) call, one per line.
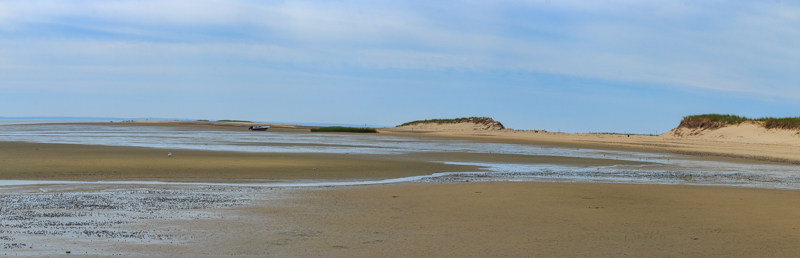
point(258, 128)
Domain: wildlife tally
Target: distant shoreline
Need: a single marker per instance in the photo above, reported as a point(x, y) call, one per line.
point(708, 148)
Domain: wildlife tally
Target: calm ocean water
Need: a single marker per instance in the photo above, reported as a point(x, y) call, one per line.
point(30, 121)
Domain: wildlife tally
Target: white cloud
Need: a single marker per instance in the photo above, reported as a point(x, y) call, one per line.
point(730, 46)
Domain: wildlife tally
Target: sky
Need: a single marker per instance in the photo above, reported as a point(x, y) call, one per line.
point(558, 65)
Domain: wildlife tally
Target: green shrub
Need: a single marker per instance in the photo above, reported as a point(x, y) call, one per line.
point(342, 129)
point(782, 123)
point(612, 133)
point(728, 119)
point(713, 121)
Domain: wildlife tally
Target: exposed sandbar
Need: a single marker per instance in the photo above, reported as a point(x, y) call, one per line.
point(40, 161)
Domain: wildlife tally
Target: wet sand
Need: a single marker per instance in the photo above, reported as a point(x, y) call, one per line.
point(37, 161)
point(507, 219)
point(71, 162)
point(475, 219)
point(484, 219)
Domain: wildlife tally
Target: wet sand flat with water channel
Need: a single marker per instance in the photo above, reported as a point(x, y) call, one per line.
point(287, 194)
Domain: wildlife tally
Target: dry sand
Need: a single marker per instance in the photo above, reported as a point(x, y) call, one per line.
point(747, 132)
point(755, 144)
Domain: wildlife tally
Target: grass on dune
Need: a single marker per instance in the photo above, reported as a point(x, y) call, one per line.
point(612, 133)
point(718, 120)
point(728, 119)
point(343, 129)
point(782, 123)
point(445, 121)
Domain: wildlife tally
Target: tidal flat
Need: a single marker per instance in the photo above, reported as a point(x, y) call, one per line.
point(102, 190)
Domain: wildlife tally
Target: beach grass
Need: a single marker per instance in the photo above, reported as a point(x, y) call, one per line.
point(343, 129)
point(728, 119)
point(442, 121)
point(720, 120)
point(782, 123)
point(612, 133)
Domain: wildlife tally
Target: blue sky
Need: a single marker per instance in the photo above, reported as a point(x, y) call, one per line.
point(574, 66)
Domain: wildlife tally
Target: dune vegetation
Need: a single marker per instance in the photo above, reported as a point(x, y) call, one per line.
point(486, 121)
point(343, 129)
point(714, 121)
point(443, 121)
point(613, 133)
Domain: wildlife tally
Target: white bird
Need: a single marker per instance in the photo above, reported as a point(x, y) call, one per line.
point(169, 154)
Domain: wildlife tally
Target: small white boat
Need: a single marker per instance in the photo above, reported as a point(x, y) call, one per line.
point(258, 128)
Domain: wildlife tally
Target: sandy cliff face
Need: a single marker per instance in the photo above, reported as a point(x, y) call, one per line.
point(747, 132)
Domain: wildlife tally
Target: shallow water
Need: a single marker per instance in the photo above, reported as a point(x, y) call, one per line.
point(245, 141)
point(6, 121)
point(665, 168)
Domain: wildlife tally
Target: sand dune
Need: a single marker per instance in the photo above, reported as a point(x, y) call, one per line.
point(746, 141)
point(448, 127)
point(747, 132)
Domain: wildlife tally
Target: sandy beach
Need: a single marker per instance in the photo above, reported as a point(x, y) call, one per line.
point(413, 219)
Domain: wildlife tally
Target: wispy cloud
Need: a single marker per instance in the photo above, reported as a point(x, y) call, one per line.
point(737, 46)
